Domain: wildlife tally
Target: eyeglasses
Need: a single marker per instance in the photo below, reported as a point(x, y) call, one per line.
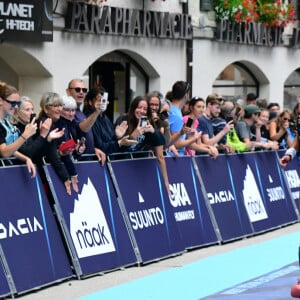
point(55, 105)
point(69, 109)
point(12, 103)
point(78, 89)
point(154, 104)
point(286, 119)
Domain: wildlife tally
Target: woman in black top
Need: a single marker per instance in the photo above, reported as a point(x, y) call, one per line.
point(148, 137)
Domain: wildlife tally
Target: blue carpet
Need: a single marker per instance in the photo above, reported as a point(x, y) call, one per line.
point(209, 275)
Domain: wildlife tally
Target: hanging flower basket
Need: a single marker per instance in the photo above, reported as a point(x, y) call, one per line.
point(271, 13)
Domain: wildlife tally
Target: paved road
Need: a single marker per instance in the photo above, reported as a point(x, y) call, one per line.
point(72, 289)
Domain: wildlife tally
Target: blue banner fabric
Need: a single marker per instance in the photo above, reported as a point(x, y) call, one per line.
point(29, 235)
point(94, 219)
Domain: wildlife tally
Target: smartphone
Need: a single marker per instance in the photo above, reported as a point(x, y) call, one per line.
point(104, 100)
point(189, 122)
point(31, 117)
point(143, 121)
point(228, 119)
point(82, 141)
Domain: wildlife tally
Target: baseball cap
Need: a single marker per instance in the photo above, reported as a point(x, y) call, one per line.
point(251, 109)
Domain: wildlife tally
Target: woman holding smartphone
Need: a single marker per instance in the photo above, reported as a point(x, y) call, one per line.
point(142, 129)
point(196, 108)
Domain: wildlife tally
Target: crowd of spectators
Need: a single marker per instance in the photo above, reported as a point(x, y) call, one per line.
point(75, 127)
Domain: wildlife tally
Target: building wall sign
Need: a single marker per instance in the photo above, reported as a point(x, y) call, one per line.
point(26, 20)
point(252, 33)
point(88, 18)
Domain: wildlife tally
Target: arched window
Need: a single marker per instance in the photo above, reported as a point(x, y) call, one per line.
point(236, 81)
point(292, 89)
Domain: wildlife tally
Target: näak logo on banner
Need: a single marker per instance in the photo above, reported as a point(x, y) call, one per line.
point(88, 225)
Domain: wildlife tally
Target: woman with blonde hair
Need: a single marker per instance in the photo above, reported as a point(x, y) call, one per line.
point(10, 138)
point(279, 129)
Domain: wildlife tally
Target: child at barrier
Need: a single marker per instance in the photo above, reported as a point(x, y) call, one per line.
point(141, 128)
point(10, 138)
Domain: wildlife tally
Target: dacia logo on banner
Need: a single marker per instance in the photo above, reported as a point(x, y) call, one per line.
point(19, 227)
point(147, 217)
point(88, 225)
point(220, 197)
point(252, 198)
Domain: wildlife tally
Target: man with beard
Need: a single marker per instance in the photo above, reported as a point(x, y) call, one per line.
point(212, 110)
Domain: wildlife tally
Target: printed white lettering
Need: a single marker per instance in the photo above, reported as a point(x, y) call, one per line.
point(292, 178)
point(219, 197)
point(19, 25)
point(179, 196)
point(184, 215)
point(146, 218)
point(19, 227)
point(92, 237)
point(16, 10)
point(275, 194)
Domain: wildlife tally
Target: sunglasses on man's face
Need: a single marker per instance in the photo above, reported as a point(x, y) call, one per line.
point(78, 89)
point(12, 103)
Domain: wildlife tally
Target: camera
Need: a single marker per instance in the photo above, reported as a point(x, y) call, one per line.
point(163, 115)
point(295, 126)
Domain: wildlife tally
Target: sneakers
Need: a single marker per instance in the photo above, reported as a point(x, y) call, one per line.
point(295, 290)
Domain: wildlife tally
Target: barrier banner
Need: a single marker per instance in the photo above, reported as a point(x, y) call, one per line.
point(225, 201)
point(149, 212)
point(261, 185)
point(29, 235)
point(292, 173)
point(189, 207)
point(4, 288)
point(93, 219)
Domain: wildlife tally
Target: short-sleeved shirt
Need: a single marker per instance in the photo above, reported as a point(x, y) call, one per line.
point(243, 131)
point(8, 132)
point(205, 126)
point(176, 122)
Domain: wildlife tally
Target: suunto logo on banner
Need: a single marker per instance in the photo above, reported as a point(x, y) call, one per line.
point(147, 217)
point(88, 225)
point(253, 202)
point(19, 227)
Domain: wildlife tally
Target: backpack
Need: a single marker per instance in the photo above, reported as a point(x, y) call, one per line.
point(234, 141)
